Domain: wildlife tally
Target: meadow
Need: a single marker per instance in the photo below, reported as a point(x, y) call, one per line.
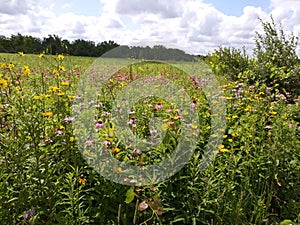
point(46, 175)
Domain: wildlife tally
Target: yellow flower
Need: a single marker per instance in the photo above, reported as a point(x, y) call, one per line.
point(223, 149)
point(3, 83)
point(62, 68)
point(81, 180)
point(61, 94)
point(273, 113)
point(233, 134)
point(53, 89)
point(234, 116)
point(47, 96)
point(71, 97)
point(72, 139)
point(26, 70)
point(41, 55)
point(225, 136)
point(10, 66)
point(118, 170)
point(36, 97)
point(230, 140)
point(248, 108)
point(55, 72)
point(3, 65)
point(115, 150)
point(86, 152)
point(65, 83)
point(47, 114)
point(60, 57)
point(21, 53)
point(176, 117)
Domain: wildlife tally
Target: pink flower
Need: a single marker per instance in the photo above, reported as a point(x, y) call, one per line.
point(69, 119)
point(99, 124)
point(106, 143)
point(89, 142)
point(132, 120)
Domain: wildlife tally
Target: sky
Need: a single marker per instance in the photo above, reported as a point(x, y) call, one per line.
point(195, 26)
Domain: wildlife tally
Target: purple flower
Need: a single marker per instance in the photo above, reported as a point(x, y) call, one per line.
point(58, 131)
point(159, 105)
point(194, 103)
point(28, 214)
point(105, 114)
point(137, 151)
point(106, 143)
point(132, 120)
point(131, 112)
point(69, 119)
point(152, 132)
point(240, 84)
point(89, 142)
point(99, 124)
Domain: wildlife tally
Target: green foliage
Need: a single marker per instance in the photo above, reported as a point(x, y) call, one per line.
point(228, 62)
point(277, 61)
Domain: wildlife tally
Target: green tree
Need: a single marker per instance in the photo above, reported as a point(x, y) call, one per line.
point(277, 63)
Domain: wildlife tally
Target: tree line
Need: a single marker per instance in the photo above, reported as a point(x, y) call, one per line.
point(157, 52)
point(53, 44)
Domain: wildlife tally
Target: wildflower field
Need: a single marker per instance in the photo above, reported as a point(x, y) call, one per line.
point(254, 178)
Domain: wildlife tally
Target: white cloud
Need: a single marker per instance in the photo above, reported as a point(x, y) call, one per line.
point(164, 8)
point(14, 7)
point(190, 24)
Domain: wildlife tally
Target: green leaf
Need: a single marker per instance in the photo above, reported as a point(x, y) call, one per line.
point(286, 222)
point(130, 195)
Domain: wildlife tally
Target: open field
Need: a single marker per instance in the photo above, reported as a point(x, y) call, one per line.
point(45, 177)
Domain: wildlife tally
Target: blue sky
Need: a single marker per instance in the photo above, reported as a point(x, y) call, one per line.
point(197, 26)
